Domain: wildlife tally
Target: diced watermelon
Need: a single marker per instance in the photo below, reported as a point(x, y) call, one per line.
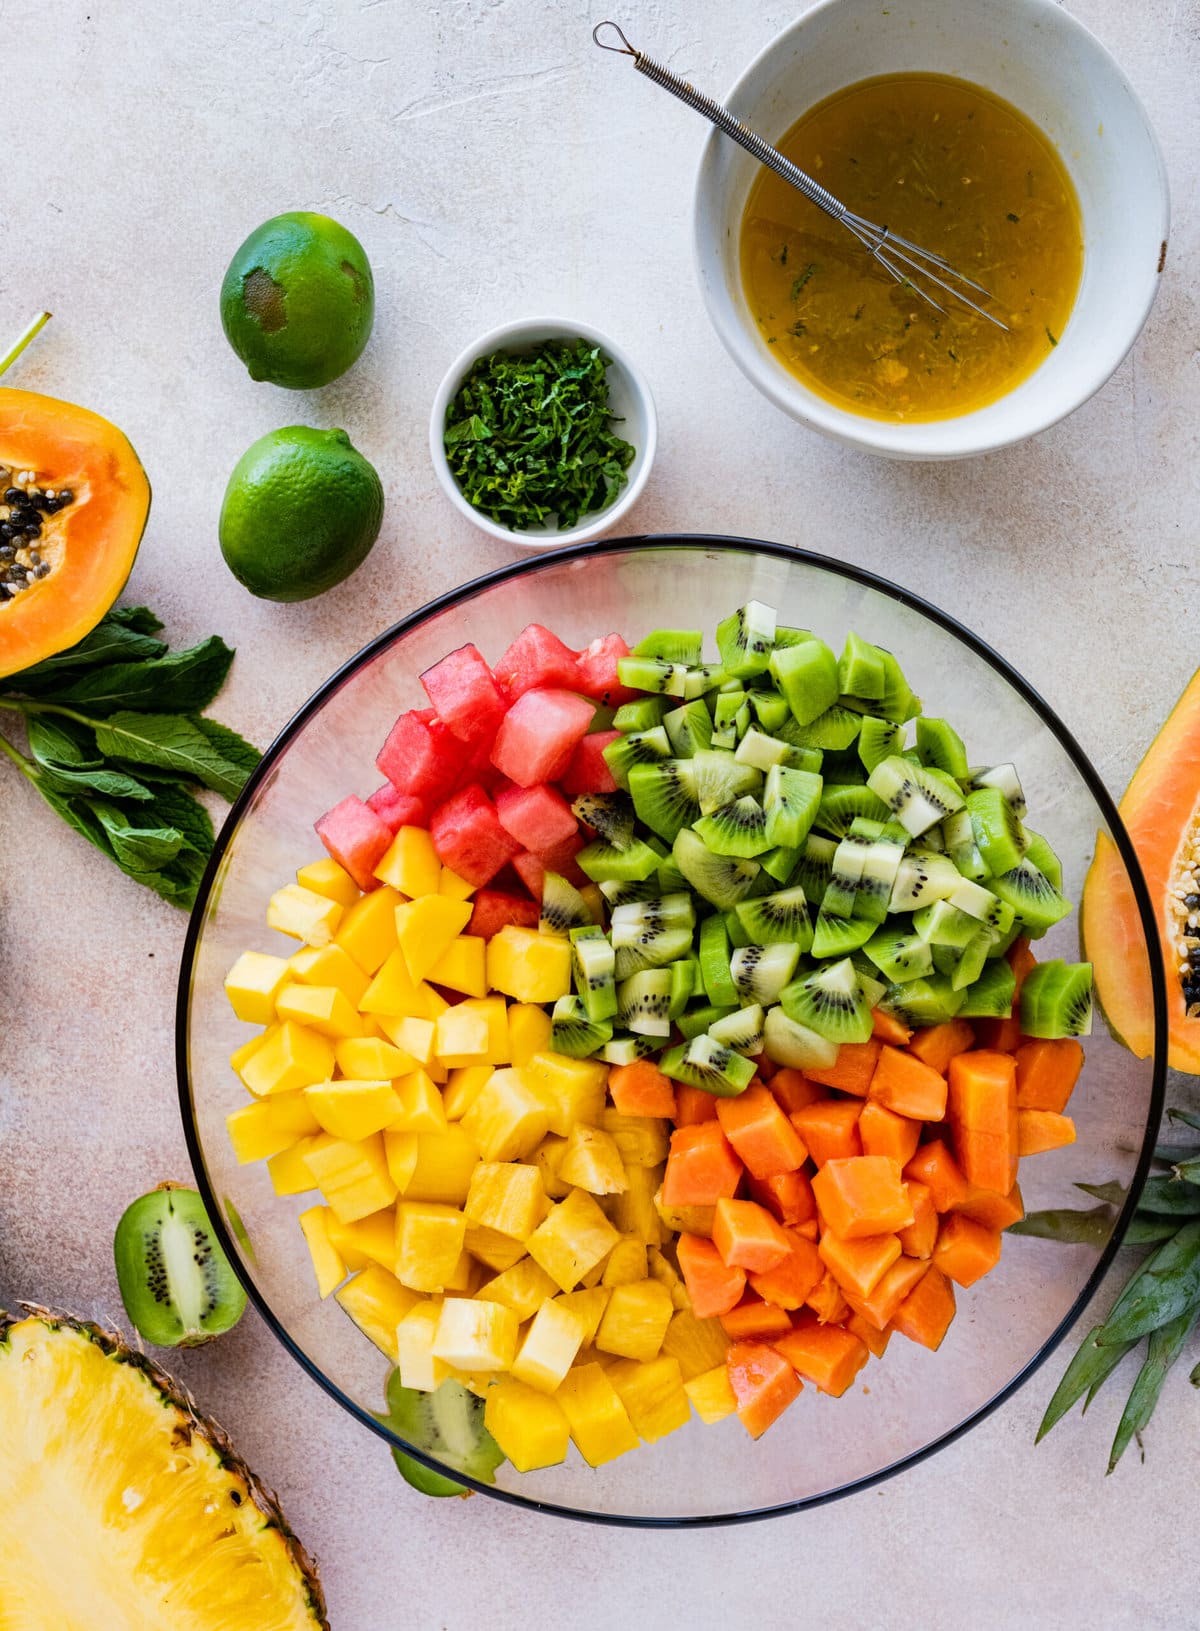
point(536, 659)
point(596, 671)
point(396, 809)
point(531, 867)
point(420, 757)
point(356, 838)
point(539, 818)
point(479, 768)
point(464, 691)
point(539, 734)
point(468, 837)
point(493, 910)
point(587, 771)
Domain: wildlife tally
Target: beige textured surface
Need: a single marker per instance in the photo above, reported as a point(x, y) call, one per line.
point(494, 165)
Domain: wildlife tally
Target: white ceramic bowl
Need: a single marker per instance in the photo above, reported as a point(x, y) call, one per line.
point(1049, 66)
point(629, 398)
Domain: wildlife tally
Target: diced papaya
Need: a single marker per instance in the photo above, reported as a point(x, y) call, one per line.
point(966, 1250)
point(925, 1314)
point(858, 1265)
point(999, 1035)
point(829, 1129)
point(982, 1110)
point(851, 1071)
point(702, 1166)
point(903, 1084)
point(753, 1318)
point(714, 1287)
point(885, 1132)
point(792, 1090)
point(693, 1105)
point(763, 1382)
point(992, 1210)
point(886, 1027)
point(828, 1356)
point(827, 1300)
point(762, 1136)
point(863, 1195)
point(747, 1236)
point(641, 1089)
point(920, 1237)
point(862, 1328)
point(788, 1194)
point(935, 1167)
point(1041, 1130)
point(897, 1284)
point(1047, 1072)
point(794, 1277)
point(936, 1045)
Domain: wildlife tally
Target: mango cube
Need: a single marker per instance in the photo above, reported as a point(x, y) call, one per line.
point(506, 1196)
point(463, 1087)
point(400, 1150)
point(547, 1158)
point(370, 1240)
point(529, 1030)
point(377, 1302)
point(575, 1237)
point(415, 1334)
point(625, 1265)
point(290, 1113)
point(414, 1036)
point(252, 985)
point(411, 863)
point(495, 1011)
point(426, 927)
point(698, 1345)
point(527, 1425)
point(393, 991)
point(289, 1171)
point(508, 1118)
point(554, 1337)
point(573, 1089)
point(323, 1008)
point(642, 1140)
point(635, 1321)
point(652, 1394)
point(461, 1038)
point(598, 1421)
point(420, 1105)
point(327, 1261)
point(329, 965)
point(497, 1251)
point(369, 1058)
point(633, 1209)
point(326, 877)
point(529, 966)
point(368, 930)
point(255, 1138)
point(290, 1058)
point(461, 966)
point(523, 1288)
point(303, 915)
point(443, 1167)
point(589, 1305)
point(592, 1161)
point(711, 1394)
point(429, 1242)
point(353, 1110)
point(476, 1336)
point(353, 1177)
point(241, 1057)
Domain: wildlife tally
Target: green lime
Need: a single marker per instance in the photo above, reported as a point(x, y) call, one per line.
point(298, 300)
point(301, 511)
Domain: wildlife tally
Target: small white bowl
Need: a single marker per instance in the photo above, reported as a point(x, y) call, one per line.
point(1034, 55)
point(629, 399)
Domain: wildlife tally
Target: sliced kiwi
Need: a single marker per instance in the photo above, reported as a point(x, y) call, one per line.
point(736, 829)
point(945, 925)
point(980, 903)
point(446, 1424)
point(839, 936)
point(702, 679)
point(917, 797)
point(860, 669)
point(638, 748)
point(787, 636)
point(713, 950)
point(832, 731)
point(672, 646)
point(787, 1043)
point(780, 863)
point(1056, 1000)
point(685, 984)
point(1039, 852)
point(842, 769)
point(746, 639)
point(664, 797)
point(695, 1020)
point(958, 837)
point(573, 1032)
point(781, 918)
point(738, 935)
point(626, 1050)
point(770, 709)
point(688, 729)
point(922, 878)
point(1035, 901)
point(878, 739)
point(807, 675)
point(845, 875)
point(176, 1283)
point(971, 960)
point(563, 907)
point(1006, 779)
point(870, 981)
point(830, 1002)
point(928, 1001)
point(652, 674)
point(742, 1031)
point(619, 891)
point(899, 954)
point(642, 714)
point(604, 862)
point(759, 973)
point(718, 778)
point(634, 918)
point(991, 996)
point(644, 1002)
point(652, 948)
point(898, 702)
point(703, 1062)
point(997, 831)
point(728, 709)
point(763, 751)
point(880, 867)
point(791, 800)
point(610, 815)
point(594, 967)
point(940, 745)
point(815, 867)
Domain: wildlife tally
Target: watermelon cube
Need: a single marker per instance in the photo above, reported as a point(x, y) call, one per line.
point(397, 809)
point(539, 734)
point(464, 691)
point(468, 837)
point(536, 659)
point(596, 671)
point(494, 908)
point(356, 838)
point(420, 757)
point(531, 867)
point(588, 770)
point(537, 817)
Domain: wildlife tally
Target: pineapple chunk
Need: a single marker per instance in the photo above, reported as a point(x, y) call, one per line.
point(368, 1058)
point(476, 1336)
point(698, 1345)
point(252, 985)
point(523, 1288)
point(426, 927)
point(401, 1152)
point(575, 1238)
point(291, 1057)
point(589, 1305)
point(289, 1171)
point(411, 863)
point(415, 1037)
point(254, 1137)
point(326, 877)
point(547, 1158)
point(461, 966)
point(497, 1251)
point(711, 1394)
point(574, 1090)
point(377, 1302)
point(393, 993)
point(554, 1337)
point(633, 1210)
point(328, 1263)
point(368, 930)
point(464, 1086)
point(508, 1118)
point(529, 966)
point(449, 883)
point(329, 965)
point(370, 1240)
point(323, 1008)
point(635, 1321)
point(495, 1011)
point(653, 1395)
point(625, 1265)
point(415, 1335)
point(599, 1423)
point(444, 1164)
point(591, 1161)
point(303, 915)
point(662, 1269)
point(420, 1105)
point(353, 1110)
point(685, 1220)
point(461, 1038)
point(506, 1196)
point(529, 1030)
point(429, 1242)
point(353, 1177)
point(464, 1282)
point(527, 1425)
point(642, 1140)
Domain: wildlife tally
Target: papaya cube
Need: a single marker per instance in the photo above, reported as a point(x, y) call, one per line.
point(377, 1302)
point(449, 883)
point(291, 1057)
point(289, 1171)
point(529, 1426)
point(764, 1384)
point(328, 1263)
point(633, 1209)
point(353, 1110)
point(626, 1264)
point(711, 1394)
point(303, 915)
point(589, 1304)
point(966, 1250)
point(368, 930)
point(642, 1140)
point(828, 1356)
point(925, 1314)
point(862, 1195)
point(592, 1161)
point(463, 1087)
point(429, 1242)
point(635, 1321)
point(326, 877)
point(508, 1119)
point(652, 1393)
point(529, 1030)
point(252, 1134)
point(426, 927)
point(461, 1037)
point(919, 1239)
point(858, 1265)
point(498, 1252)
point(253, 983)
point(698, 1345)
point(445, 1162)
point(547, 1158)
point(1041, 1130)
point(554, 1337)
point(523, 1288)
point(529, 966)
point(410, 864)
point(461, 966)
point(598, 1421)
point(574, 1239)
point(419, 1105)
point(329, 965)
point(506, 1196)
point(473, 1335)
point(352, 1176)
point(415, 1334)
point(572, 1089)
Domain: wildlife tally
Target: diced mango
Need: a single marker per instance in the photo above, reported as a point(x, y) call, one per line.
point(368, 930)
point(353, 1177)
point(529, 1030)
point(652, 1393)
point(506, 1196)
point(327, 1261)
point(289, 1171)
point(429, 1242)
point(290, 1058)
point(554, 1337)
point(425, 929)
point(575, 1238)
point(711, 1394)
point(326, 877)
point(625, 1264)
point(642, 1140)
point(370, 1240)
point(329, 965)
point(463, 1087)
point(377, 1302)
point(254, 1137)
point(411, 864)
point(393, 992)
point(495, 1011)
point(547, 1158)
point(415, 1334)
point(351, 1109)
point(461, 1038)
point(476, 1336)
point(401, 1152)
point(529, 966)
point(449, 883)
point(635, 1321)
point(592, 1161)
point(252, 985)
point(573, 1089)
point(523, 1288)
point(461, 966)
point(633, 1209)
point(444, 1164)
point(508, 1118)
point(369, 1058)
point(289, 1112)
point(420, 1105)
point(698, 1345)
point(303, 915)
point(599, 1423)
point(323, 1008)
point(241, 1057)
point(589, 1305)
point(499, 1252)
point(529, 1426)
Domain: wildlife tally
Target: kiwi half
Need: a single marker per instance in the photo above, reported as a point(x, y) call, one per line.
point(176, 1283)
point(446, 1424)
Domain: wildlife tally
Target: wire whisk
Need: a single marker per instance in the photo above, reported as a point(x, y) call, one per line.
point(902, 260)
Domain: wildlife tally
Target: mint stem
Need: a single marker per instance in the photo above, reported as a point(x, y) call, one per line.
point(15, 350)
point(24, 765)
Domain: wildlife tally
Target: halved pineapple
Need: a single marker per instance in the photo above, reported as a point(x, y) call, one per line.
point(123, 1507)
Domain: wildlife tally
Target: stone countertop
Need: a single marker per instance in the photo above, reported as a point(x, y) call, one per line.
point(494, 165)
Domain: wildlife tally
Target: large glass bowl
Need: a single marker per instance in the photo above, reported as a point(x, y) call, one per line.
point(914, 1400)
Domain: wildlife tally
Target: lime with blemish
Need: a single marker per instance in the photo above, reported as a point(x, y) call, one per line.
point(298, 300)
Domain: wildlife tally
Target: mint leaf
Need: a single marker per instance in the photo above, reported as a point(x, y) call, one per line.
point(183, 681)
point(173, 743)
point(172, 807)
point(137, 849)
point(229, 744)
point(139, 618)
point(61, 742)
point(109, 784)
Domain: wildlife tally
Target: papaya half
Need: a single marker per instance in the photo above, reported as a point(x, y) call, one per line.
point(73, 506)
point(1161, 813)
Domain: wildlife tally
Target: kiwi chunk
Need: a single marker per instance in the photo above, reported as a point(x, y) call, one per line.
point(718, 778)
point(672, 646)
point(807, 676)
point(878, 739)
point(644, 1001)
point(1006, 779)
point(791, 802)
point(839, 936)
point(958, 837)
point(830, 1002)
point(970, 961)
point(899, 954)
point(695, 1020)
point(638, 748)
point(771, 709)
point(787, 1043)
point(928, 1001)
point(633, 918)
point(815, 867)
point(619, 891)
point(759, 973)
point(781, 918)
point(1056, 1000)
point(781, 863)
point(685, 984)
point(921, 879)
point(642, 714)
point(1039, 852)
point(832, 731)
point(897, 702)
point(841, 893)
point(605, 863)
point(176, 1283)
point(610, 815)
point(653, 674)
point(446, 1424)
point(746, 639)
point(736, 829)
point(688, 729)
point(997, 831)
point(991, 995)
point(573, 1032)
point(945, 925)
point(594, 967)
point(917, 797)
point(713, 951)
point(940, 745)
point(880, 866)
point(664, 796)
point(763, 751)
point(706, 1063)
point(563, 907)
point(701, 679)
point(742, 1031)
point(860, 669)
point(983, 905)
point(651, 948)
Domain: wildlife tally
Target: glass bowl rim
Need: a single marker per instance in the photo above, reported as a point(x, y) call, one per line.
point(529, 567)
